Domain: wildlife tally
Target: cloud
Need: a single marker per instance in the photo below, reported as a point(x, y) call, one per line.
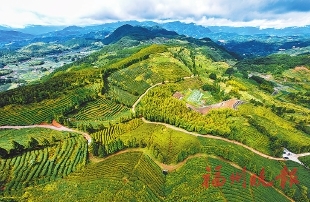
point(276, 13)
point(284, 6)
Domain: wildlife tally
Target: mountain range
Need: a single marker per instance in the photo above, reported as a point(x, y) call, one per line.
point(253, 40)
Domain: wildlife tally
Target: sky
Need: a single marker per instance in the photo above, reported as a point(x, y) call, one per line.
point(258, 13)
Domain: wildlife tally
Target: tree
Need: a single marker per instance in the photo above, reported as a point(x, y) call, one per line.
point(229, 71)
point(142, 143)
point(3, 153)
point(120, 144)
point(182, 155)
point(208, 87)
point(95, 147)
point(101, 151)
point(33, 143)
point(213, 76)
point(17, 148)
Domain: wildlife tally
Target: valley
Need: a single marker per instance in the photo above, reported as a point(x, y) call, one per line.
point(30, 70)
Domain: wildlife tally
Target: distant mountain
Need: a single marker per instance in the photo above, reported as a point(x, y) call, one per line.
point(73, 28)
point(67, 31)
point(96, 35)
point(288, 31)
point(191, 29)
point(137, 33)
point(244, 41)
point(114, 25)
point(188, 29)
point(4, 28)
point(10, 36)
point(39, 29)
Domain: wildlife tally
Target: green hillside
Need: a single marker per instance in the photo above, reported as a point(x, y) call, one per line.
point(36, 156)
point(141, 179)
point(182, 185)
point(148, 104)
point(128, 176)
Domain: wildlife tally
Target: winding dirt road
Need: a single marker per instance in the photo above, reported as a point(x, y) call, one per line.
point(133, 109)
point(303, 154)
point(206, 136)
point(213, 137)
point(61, 128)
point(88, 137)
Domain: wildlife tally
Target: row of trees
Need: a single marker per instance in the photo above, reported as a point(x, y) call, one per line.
point(263, 84)
point(107, 141)
point(17, 148)
point(276, 144)
point(302, 98)
point(102, 150)
point(187, 60)
point(159, 105)
point(281, 110)
point(143, 54)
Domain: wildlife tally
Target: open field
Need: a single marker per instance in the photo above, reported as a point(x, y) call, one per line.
point(230, 104)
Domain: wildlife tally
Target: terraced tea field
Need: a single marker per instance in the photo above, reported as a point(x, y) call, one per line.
point(44, 111)
point(186, 184)
point(57, 158)
point(101, 109)
point(128, 176)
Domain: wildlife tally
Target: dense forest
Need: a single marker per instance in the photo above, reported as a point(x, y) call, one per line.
point(275, 64)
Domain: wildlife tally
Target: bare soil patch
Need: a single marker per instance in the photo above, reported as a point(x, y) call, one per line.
point(301, 68)
point(232, 103)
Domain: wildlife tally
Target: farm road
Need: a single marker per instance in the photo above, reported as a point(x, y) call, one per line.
point(205, 136)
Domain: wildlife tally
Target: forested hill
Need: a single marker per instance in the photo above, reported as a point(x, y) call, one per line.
point(7, 36)
point(137, 33)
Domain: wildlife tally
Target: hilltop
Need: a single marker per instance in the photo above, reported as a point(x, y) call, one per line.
point(137, 33)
